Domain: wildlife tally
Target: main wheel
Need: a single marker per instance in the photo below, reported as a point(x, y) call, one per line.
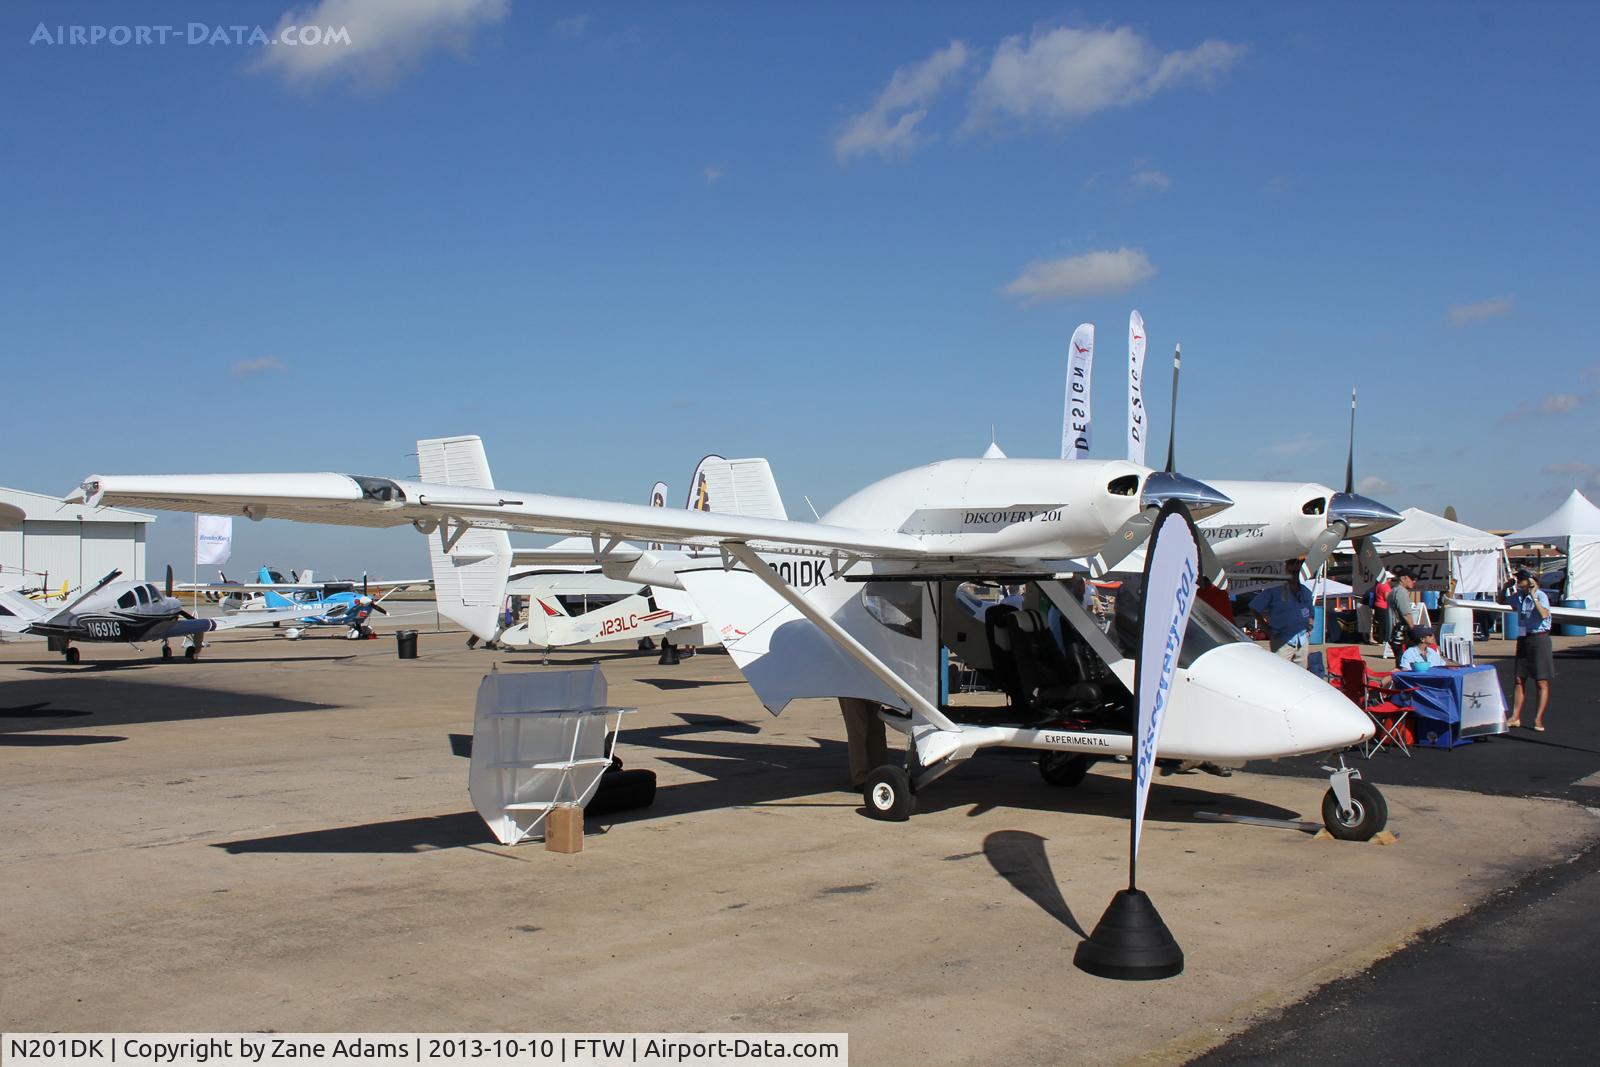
point(1063, 769)
point(1368, 814)
point(166, 651)
point(888, 795)
point(72, 654)
point(191, 653)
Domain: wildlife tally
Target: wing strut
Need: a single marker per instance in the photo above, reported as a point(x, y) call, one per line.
point(840, 636)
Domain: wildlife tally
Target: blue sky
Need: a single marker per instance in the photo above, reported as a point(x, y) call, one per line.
point(613, 238)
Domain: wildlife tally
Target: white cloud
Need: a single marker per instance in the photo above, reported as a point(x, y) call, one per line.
point(1372, 483)
point(1091, 274)
point(1494, 308)
point(714, 174)
point(1300, 442)
point(1153, 180)
point(246, 367)
point(386, 37)
point(1581, 475)
point(571, 26)
point(1065, 73)
point(889, 126)
point(1552, 404)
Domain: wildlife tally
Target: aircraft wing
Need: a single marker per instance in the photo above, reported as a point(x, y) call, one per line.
point(186, 627)
point(1583, 616)
point(352, 500)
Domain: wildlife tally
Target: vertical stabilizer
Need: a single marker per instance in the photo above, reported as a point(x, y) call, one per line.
point(469, 580)
point(736, 487)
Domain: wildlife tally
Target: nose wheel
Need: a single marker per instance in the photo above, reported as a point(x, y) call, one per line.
point(888, 795)
point(1353, 809)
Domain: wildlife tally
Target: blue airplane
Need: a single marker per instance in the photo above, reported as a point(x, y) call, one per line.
point(346, 604)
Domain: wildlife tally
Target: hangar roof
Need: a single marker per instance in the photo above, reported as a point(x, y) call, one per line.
point(17, 505)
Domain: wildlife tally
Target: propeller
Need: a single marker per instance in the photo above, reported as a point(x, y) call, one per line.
point(1352, 517)
point(371, 603)
point(182, 614)
point(1161, 486)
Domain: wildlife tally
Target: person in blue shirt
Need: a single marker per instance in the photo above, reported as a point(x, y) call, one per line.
point(1535, 658)
point(1285, 612)
point(1423, 651)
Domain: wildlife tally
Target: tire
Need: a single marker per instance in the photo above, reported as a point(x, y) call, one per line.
point(887, 795)
point(1063, 770)
point(73, 655)
point(191, 653)
point(1369, 812)
point(166, 651)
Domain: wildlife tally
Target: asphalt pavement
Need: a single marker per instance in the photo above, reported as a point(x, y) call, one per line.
point(1516, 979)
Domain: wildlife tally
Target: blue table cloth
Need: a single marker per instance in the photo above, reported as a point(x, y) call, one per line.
point(1438, 696)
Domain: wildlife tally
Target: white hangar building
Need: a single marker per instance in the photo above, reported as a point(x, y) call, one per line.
point(44, 541)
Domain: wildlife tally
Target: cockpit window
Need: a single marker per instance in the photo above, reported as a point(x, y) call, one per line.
point(1317, 505)
point(139, 591)
point(898, 605)
point(1207, 629)
point(125, 600)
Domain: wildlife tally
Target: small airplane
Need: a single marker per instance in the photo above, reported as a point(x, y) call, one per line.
point(335, 603)
point(113, 611)
point(873, 629)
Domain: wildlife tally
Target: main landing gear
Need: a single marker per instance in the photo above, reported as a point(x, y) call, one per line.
point(72, 654)
point(1063, 770)
point(888, 794)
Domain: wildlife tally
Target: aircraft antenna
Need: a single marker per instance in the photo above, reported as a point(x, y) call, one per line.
point(812, 506)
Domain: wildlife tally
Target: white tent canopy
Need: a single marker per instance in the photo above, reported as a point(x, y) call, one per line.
point(1574, 527)
point(1440, 549)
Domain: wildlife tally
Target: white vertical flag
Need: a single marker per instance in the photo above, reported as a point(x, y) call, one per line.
point(658, 499)
point(213, 539)
point(1171, 577)
point(1136, 420)
point(1075, 414)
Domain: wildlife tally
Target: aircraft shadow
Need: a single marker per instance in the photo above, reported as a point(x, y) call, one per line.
point(56, 740)
point(102, 700)
point(176, 663)
point(689, 683)
point(1019, 858)
point(423, 834)
point(754, 773)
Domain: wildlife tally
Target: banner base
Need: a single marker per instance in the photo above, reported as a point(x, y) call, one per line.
point(1130, 943)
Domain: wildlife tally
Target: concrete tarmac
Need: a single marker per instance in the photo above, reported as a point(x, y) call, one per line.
point(278, 837)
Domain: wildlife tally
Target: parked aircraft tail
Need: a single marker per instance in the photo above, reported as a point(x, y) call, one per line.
point(735, 487)
point(469, 571)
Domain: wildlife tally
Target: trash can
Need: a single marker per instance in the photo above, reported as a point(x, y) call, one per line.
point(1318, 618)
point(1513, 627)
point(406, 643)
point(1572, 629)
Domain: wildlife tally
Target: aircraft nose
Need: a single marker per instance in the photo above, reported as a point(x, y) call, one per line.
point(1201, 499)
point(1362, 516)
point(1327, 721)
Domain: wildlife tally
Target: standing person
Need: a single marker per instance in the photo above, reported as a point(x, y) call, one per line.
point(1403, 603)
point(1380, 613)
point(1535, 658)
point(1286, 612)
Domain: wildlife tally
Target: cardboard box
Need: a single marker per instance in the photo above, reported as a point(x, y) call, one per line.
point(563, 829)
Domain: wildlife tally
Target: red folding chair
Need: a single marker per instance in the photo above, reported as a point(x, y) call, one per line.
point(1374, 694)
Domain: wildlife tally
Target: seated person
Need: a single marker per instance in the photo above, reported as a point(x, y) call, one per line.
point(1422, 651)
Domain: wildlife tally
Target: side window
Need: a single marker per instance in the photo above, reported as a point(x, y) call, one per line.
point(898, 605)
point(125, 600)
point(144, 597)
